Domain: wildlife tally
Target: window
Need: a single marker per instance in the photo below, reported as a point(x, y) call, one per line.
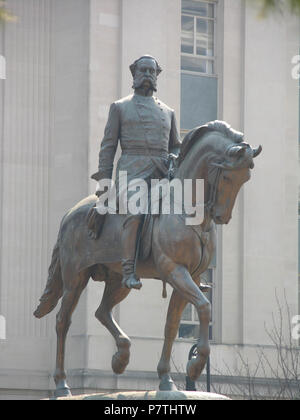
point(189, 325)
point(198, 36)
point(199, 104)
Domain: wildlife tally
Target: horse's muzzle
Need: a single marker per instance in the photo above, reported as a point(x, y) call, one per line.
point(220, 220)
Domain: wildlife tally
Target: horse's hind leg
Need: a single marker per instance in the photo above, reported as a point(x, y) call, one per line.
point(176, 307)
point(113, 294)
point(72, 291)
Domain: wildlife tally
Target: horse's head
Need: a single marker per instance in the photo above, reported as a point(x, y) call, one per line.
point(225, 162)
point(227, 177)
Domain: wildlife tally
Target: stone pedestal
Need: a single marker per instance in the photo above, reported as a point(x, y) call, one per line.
point(150, 395)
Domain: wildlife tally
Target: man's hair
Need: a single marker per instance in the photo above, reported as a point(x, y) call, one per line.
point(133, 65)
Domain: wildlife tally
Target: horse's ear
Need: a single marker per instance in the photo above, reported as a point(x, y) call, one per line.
point(257, 151)
point(236, 151)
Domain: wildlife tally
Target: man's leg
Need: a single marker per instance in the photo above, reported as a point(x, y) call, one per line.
point(129, 239)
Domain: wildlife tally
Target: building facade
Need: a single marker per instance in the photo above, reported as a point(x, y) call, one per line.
point(62, 64)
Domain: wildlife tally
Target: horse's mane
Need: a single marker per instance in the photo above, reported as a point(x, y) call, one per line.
point(197, 135)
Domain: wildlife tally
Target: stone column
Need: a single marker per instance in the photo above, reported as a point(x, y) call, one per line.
point(271, 115)
point(44, 144)
point(231, 110)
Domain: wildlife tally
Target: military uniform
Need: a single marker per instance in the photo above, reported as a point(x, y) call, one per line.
point(147, 131)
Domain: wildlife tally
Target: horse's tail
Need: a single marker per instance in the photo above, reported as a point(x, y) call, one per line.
point(54, 287)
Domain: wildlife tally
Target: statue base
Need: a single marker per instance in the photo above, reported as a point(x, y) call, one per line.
point(149, 395)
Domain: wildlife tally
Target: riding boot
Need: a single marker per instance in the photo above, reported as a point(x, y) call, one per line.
point(129, 248)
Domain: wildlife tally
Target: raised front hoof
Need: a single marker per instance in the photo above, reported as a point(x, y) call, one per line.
point(62, 390)
point(195, 367)
point(44, 308)
point(119, 362)
point(167, 384)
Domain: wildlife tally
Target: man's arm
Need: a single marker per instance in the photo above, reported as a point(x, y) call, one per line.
point(109, 145)
point(174, 141)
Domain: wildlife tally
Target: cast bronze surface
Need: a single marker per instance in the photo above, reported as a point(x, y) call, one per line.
point(177, 251)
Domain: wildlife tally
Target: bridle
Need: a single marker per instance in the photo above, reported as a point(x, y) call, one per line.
point(214, 174)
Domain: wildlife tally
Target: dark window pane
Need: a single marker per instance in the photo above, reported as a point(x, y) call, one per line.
point(210, 69)
point(206, 277)
point(204, 37)
point(198, 100)
point(193, 64)
point(211, 10)
point(188, 331)
point(210, 334)
point(192, 331)
point(213, 262)
point(201, 37)
point(187, 313)
point(199, 8)
point(187, 34)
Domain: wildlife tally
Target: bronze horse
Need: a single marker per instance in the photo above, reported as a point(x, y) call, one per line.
point(179, 253)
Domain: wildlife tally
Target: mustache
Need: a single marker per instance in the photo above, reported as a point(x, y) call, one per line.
point(139, 81)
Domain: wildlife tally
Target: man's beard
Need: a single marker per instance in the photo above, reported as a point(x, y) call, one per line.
point(138, 82)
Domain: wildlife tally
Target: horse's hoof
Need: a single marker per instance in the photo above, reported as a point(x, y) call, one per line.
point(167, 384)
point(119, 362)
point(62, 389)
point(45, 307)
point(195, 367)
point(121, 359)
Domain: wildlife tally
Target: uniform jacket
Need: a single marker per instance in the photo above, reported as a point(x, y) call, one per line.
point(147, 131)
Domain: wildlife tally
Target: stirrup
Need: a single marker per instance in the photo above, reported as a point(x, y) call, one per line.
point(131, 282)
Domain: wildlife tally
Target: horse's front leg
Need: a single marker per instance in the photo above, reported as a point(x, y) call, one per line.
point(176, 307)
point(113, 294)
point(183, 283)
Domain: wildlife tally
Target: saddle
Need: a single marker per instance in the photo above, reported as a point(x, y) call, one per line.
point(95, 223)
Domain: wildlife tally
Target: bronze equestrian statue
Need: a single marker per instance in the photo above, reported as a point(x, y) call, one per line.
point(170, 250)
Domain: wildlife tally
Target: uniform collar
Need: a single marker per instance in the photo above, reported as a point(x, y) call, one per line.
point(143, 98)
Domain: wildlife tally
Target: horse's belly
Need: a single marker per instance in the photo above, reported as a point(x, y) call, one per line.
point(145, 269)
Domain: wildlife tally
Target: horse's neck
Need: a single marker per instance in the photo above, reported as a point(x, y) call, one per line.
point(194, 166)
